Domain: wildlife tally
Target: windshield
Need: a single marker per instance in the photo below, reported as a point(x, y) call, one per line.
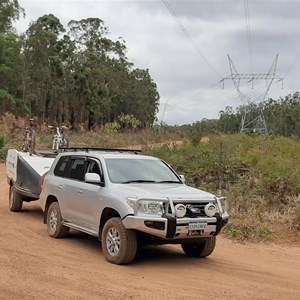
point(126, 170)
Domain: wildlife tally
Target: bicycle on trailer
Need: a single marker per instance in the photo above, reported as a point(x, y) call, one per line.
point(60, 139)
point(29, 138)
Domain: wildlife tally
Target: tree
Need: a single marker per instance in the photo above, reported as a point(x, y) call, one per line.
point(10, 11)
point(44, 68)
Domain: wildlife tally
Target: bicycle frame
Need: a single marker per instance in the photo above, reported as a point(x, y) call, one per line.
point(59, 139)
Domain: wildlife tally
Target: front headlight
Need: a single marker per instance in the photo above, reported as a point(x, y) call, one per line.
point(150, 207)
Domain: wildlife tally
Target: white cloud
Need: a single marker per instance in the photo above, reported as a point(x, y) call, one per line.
point(185, 72)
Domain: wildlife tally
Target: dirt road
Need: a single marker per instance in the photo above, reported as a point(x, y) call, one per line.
point(35, 266)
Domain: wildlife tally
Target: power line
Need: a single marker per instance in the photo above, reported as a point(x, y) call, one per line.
point(248, 32)
point(167, 5)
point(292, 64)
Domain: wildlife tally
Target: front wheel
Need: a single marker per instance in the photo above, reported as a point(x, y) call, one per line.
point(15, 200)
point(64, 141)
point(119, 245)
point(200, 248)
point(54, 222)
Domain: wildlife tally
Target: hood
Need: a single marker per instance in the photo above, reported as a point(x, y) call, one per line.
point(161, 191)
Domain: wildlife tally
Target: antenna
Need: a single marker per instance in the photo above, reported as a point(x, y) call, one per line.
point(250, 122)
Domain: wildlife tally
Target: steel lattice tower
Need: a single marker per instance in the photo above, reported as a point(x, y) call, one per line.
point(251, 123)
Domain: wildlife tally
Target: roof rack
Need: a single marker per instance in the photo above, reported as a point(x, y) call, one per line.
point(87, 149)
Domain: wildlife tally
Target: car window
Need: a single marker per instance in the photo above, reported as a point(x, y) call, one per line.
point(77, 168)
point(94, 166)
point(125, 170)
point(61, 166)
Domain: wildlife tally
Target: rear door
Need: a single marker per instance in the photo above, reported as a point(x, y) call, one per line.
point(81, 201)
point(70, 189)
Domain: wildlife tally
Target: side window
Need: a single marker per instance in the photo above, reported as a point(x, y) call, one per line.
point(61, 166)
point(77, 168)
point(94, 166)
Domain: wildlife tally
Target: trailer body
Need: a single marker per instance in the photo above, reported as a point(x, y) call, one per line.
point(24, 172)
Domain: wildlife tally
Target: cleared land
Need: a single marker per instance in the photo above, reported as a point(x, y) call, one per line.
point(35, 266)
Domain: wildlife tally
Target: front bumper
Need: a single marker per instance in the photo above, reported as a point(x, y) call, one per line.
point(168, 227)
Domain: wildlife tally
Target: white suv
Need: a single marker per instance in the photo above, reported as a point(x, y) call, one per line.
point(127, 199)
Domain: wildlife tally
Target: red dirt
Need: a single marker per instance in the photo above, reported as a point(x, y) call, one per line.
point(35, 266)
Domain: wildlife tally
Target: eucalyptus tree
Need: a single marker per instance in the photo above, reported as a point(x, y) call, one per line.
point(229, 120)
point(94, 61)
point(10, 59)
point(43, 66)
point(10, 11)
point(144, 98)
point(10, 73)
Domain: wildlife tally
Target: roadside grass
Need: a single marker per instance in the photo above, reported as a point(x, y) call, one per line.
point(258, 174)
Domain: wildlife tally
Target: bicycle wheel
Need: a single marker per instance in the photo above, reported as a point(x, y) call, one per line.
point(25, 146)
point(31, 144)
point(64, 141)
point(55, 144)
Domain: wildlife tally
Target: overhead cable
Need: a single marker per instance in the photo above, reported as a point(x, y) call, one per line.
point(248, 33)
point(188, 36)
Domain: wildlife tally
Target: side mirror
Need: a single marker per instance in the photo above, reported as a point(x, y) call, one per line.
point(182, 177)
point(92, 178)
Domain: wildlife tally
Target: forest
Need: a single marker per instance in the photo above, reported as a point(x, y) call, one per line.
point(74, 75)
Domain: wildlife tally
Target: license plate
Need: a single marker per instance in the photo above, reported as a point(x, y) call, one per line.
point(197, 226)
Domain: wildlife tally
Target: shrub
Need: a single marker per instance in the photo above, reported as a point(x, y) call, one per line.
point(3, 150)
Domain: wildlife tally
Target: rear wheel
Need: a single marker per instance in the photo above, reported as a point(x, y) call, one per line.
point(200, 248)
point(54, 222)
point(119, 245)
point(15, 200)
point(55, 143)
point(31, 143)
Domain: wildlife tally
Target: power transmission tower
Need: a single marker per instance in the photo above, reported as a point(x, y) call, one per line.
point(164, 111)
point(253, 122)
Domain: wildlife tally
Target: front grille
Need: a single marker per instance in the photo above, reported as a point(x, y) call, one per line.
point(193, 210)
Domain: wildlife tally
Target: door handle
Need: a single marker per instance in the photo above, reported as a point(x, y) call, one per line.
point(60, 187)
point(80, 191)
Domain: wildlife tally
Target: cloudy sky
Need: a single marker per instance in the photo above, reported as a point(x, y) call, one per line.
point(185, 45)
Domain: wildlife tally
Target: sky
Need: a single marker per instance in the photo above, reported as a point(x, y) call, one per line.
point(186, 44)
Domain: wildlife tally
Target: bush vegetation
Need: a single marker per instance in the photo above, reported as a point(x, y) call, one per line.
point(258, 174)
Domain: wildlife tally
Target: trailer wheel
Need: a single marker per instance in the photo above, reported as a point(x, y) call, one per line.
point(119, 245)
point(54, 222)
point(201, 248)
point(15, 200)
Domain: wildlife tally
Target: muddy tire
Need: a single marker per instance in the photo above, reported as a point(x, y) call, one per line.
point(119, 245)
point(54, 222)
point(201, 248)
point(15, 200)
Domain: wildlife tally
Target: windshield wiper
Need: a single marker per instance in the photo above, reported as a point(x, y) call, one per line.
point(139, 181)
point(168, 181)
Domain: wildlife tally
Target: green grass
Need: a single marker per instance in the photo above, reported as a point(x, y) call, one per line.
point(258, 174)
